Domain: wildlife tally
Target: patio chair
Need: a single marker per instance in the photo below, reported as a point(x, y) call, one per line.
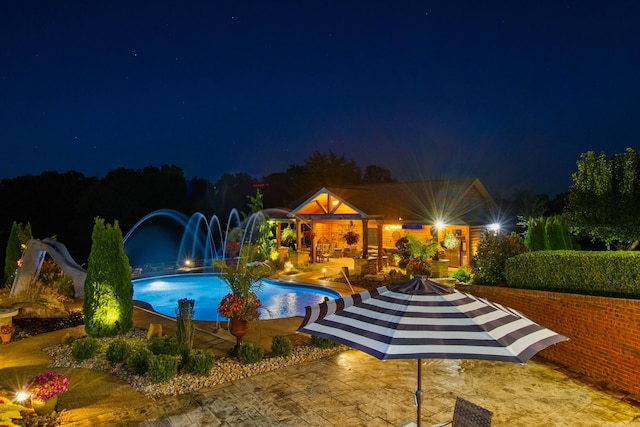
point(468, 414)
point(322, 250)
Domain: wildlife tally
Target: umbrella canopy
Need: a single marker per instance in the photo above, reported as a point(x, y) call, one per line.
point(422, 319)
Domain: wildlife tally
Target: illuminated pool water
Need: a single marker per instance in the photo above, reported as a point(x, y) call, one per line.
point(279, 300)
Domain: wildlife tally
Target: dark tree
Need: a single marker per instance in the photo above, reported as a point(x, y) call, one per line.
point(324, 170)
point(231, 192)
point(377, 175)
point(604, 200)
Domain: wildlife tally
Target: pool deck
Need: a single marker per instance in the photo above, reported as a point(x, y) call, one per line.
point(347, 389)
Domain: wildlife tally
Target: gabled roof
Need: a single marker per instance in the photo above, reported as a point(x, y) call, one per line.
point(456, 201)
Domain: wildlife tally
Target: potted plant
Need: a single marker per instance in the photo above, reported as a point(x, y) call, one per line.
point(44, 390)
point(241, 304)
point(6, 330)
point(307, 238)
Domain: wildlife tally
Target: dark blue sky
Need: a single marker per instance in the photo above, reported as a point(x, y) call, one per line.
point(508, 91)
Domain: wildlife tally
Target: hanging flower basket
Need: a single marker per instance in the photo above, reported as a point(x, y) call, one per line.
point(351, 238)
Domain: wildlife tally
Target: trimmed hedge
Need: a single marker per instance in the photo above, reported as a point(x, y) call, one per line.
point(613, 274)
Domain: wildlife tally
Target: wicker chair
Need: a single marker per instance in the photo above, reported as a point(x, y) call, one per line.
point(468, 414)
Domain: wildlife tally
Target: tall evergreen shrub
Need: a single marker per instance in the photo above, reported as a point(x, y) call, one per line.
point(535, 238)
point(108, 292)
point(18, 235)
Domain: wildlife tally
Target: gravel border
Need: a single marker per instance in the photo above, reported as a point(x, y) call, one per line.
point(226, 369)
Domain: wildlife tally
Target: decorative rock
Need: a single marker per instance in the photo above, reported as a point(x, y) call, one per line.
point(225, 370)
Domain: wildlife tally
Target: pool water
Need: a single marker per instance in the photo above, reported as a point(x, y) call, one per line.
point(279, 300)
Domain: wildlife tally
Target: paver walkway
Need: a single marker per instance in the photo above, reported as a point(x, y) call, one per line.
point(354, 389)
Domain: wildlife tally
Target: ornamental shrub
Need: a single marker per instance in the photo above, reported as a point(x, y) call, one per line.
point(461, 275)
point(138, 362)
point(323, 342)
point(250, 353)
point(281, 346)
point(186, 328)
point(84, 348)
point(162, 367)
point(488, 264)
point(199, 362)
point(118, 351)
point(165, 345)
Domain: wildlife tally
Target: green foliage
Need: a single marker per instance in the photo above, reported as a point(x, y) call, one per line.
point(108, 292)
point(550, 233)
point(404, 254)
point(138, 362)
point(323, 342)
point(281, 346)
point(288, 236)
point(488, 264)
point(584, 272)
point(604, 200)
point(186, 327)
point(421, 249)
point(165, 345)
point(84, 348)
point(118, 351)
point(162, 367)
point(461, 275)
point(199, 362)
point(264, 240)
point(18, 236)
point(250, 353)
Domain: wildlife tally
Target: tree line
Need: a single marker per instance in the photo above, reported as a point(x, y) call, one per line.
point(65, 204)
point(600, 208)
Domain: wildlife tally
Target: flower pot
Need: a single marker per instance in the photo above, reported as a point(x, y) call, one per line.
point(44, 407)
point(238, 327)
point(5, 337)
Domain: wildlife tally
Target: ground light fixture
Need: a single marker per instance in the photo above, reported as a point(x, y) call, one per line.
point(22, 395)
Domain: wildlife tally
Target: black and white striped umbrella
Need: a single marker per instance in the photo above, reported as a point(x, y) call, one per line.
point(422, 319)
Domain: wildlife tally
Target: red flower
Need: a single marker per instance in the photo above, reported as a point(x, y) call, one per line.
point(235, 305)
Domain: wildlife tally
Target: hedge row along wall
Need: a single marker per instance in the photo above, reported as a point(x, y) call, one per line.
point(604, 333)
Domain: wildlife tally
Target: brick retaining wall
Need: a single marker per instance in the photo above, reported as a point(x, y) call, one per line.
point(604, 333)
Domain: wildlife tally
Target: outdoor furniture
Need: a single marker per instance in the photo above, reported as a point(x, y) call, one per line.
point(468, 414)
point(322, 250)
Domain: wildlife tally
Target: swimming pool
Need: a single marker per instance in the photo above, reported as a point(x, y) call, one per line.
point(279, 300)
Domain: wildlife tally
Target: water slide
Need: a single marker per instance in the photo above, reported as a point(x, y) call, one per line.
point(32, 261)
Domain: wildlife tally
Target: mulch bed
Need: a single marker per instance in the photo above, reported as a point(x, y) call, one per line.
point(28, 327)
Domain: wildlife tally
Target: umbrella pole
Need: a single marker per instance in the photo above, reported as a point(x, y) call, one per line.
point(419, 393)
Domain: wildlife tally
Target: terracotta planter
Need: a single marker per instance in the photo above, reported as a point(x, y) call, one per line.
point(5, 337)
point(238, 327)
point(44, 407)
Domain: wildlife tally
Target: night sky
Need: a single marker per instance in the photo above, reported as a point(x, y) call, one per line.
point(511, 92)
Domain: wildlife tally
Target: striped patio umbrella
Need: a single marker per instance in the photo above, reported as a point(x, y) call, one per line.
point(422, 319)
